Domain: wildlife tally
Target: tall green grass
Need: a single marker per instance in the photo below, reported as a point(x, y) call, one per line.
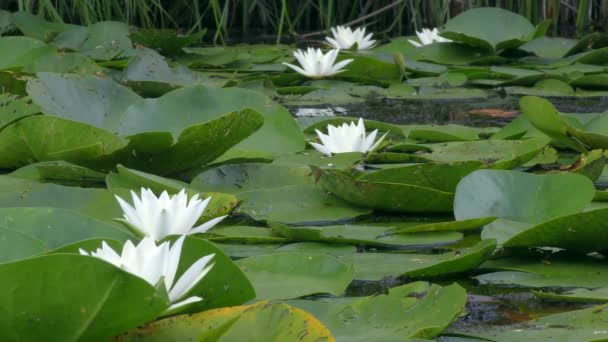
point(292, 18)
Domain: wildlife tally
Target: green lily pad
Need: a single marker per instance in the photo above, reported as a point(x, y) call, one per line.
point(168, 42)
point(97, 102)
point(458, 226)
point(13, 109)
point(565, 272)
point(450, 54)
point(370, 67)
point(498, 154)
point(299, 204)
point(49, 138)
point(444, 133)
point(581, 232)
point(55, 227)
point(502, 29)
point(599, 295)
point(598, 81)
point(546, 118)
point(105, 40)
point(97, 203)
point(236, 178)
point(396, 197)
point(258, 322)
point(578, 325)
point(427, 309)
point(244, 234)
point(294, 275)
point(87, 304)
point(549, 47)
point(24, 51)
point(191, 105)
point(376, 266)
point(15, 245)
point(241, 250)
point(36, 27)
point(364, 235)
point(316, 158)
point(438, 176)
point(521, 196)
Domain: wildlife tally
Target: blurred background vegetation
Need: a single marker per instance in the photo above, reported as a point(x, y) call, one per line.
point(259, 19)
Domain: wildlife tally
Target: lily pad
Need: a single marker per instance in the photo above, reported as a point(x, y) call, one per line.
point(192, 105)
point(296, 204)
point(87, 304)
point(599, 295)
point(497, 154)
point(546, 118)
point(445, 133)
point(438, 176)
point(293, 275)
point(368, 235)
point(502, 29)
point(396, 197)
point(24, 51)
point(236, 178)
point(565, 272)
point(97, 203)
point(168, 42)
point(581, 232)
point(258, 322)
point(427, 309)
point(521, 196)
point(55, 227)
point(577, 325)
point(376, 266)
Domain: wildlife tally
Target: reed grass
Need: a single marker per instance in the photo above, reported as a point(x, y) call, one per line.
point(288, 18)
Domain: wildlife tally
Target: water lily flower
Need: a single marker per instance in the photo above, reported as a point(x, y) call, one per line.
point(347, 138)
point(427, 37)
point(165, 215)
point(345, 38)
point(153, 263)
point(315, 64)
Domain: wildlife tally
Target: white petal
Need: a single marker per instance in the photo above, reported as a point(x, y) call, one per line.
point(321, 148)
point(172, 263)
point(186, 301)
point(416, 44)
point(378, 142)
point(190, 278)
point(337, 68)
point(207, 225)
point(298, 69)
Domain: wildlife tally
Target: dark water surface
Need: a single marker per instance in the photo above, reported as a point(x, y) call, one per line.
point(496, 110)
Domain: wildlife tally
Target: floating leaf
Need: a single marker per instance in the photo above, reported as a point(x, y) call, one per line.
point(293, 275)
point(258, 322)
point(521, 196)
point(427, 309)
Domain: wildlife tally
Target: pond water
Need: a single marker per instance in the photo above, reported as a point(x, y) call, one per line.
point(495, 111)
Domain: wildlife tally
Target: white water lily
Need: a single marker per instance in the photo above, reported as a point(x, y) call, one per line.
point(345, 38)
point(427, 37)
point(153, 263)
point(165, 215)
point(315, 64)
point(347, 138)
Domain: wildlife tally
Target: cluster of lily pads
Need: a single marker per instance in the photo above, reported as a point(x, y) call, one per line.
point(240, 222)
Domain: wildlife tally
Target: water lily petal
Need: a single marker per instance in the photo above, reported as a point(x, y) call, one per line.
point(207, 225)
point(191, 277)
